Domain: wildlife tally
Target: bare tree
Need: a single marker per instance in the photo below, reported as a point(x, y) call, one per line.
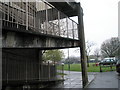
point(97, 53)
point(110, 47)
point(88, 50)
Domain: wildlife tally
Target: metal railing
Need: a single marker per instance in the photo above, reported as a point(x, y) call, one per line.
point(25, 69)
point(39, 16)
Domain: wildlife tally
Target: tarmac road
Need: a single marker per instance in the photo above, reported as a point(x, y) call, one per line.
point(73, 80)
point(106, 80)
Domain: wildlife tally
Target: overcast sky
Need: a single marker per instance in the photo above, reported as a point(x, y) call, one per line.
point(100, 21)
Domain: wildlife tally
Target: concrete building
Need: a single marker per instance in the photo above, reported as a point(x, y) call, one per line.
point(27, 29)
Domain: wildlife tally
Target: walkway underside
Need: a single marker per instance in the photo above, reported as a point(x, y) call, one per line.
point(13, 38)
point(70, 8)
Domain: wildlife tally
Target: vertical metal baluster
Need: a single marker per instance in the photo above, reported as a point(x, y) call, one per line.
point(77, 31)
point(17, 18)
point(26, 71)
point(26, 14)
point(53, 21)
point(59, 22)
point(7, 69)
point(49, 71)
point(22, 14)
point(8, 9)
point(41, 18)
point(67, 27)
point(34, 16)
point(73, 29)
point(46, 18)
point(3, 12)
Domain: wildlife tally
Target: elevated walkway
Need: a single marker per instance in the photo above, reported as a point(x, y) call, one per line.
point(48, 28)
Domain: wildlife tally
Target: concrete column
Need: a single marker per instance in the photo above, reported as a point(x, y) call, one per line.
point(82, 46)
point(119, 27)
point(0, 69)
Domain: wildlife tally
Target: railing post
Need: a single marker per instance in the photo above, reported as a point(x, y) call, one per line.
point(39, 52)
point(46, 19)
point(26, 73)
point(63, 71)
point(48, 70)
point(26, 14)
point(73, 29)
point(59, 22)
point(17, 20)
point(8, 11)
point(67, 27)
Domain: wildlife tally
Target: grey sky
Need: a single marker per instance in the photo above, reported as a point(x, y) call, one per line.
point(100, 21)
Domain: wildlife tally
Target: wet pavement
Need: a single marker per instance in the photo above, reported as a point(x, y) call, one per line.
point(73, 80)
point(106, 80)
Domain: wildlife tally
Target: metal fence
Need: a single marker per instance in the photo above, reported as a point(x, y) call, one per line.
point(20, 68)
point(38, 16)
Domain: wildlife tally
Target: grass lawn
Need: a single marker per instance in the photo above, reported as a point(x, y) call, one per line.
point(91, 68)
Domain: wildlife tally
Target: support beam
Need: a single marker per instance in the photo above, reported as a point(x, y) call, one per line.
point(82, 46)
point(26, 40)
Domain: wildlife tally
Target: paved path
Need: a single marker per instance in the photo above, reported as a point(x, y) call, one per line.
point(106, 80)
point(73, 80)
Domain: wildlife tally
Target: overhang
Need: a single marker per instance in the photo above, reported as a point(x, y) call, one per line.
point(68, 8)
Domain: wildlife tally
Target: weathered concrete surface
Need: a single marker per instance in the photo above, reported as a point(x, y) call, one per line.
point(25, 40)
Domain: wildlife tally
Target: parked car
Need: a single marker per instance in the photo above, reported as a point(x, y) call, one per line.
point(108, 61)
point(118, 66)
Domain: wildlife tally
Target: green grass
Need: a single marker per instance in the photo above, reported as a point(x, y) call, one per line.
point(91, 68)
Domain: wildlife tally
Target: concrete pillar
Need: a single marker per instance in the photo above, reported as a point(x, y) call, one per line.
point(82, 46)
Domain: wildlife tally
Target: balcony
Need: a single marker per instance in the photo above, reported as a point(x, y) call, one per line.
point(37, 17)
